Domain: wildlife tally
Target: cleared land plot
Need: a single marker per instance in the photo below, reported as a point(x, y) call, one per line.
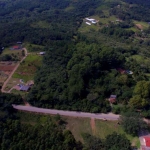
point(17, 54)
point(28, 67)
point(95, 27)
point(104, 128)
point(12, 82)
point(6, 67)
point(78, 126)
point(141, 25)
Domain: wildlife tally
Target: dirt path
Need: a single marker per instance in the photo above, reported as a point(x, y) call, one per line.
point(92, 122)
point(5, 83)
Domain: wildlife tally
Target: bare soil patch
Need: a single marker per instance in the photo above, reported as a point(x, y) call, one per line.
point(92, 122)
point(139, 26)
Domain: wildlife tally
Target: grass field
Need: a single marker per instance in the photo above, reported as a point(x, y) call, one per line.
point(12, 82)
point(144, 25)
point(13, 53)
point(28, 67)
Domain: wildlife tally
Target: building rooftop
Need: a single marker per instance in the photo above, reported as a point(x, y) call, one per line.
point(147, 141)
point(24, 88)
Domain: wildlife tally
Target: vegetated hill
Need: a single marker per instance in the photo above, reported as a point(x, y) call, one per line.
point(82, 69)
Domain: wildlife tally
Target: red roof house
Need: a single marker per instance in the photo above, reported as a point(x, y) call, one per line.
point(147, 141)
point(112, 98)
point(16, 47)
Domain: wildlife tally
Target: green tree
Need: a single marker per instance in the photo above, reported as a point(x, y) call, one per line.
point(117, 142)
point(132, 123)
point(92, 142)
point(141, 95)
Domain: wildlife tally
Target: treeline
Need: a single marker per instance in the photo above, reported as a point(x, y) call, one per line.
point(15, 135)
point(131, 12)
point(50, 133)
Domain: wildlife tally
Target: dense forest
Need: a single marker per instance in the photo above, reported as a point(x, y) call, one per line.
point(80, 72)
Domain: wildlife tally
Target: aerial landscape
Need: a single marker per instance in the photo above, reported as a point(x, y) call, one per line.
point(74, 75)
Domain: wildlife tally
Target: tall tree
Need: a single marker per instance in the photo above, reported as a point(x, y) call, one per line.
point(132, 123)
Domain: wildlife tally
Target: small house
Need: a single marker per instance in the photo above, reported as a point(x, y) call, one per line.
point(42, 53)
point(112, 98)
point(25, 88)
point(88, 23)
point(145, 145)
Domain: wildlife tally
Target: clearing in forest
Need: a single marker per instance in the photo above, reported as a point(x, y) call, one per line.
point(28, 67)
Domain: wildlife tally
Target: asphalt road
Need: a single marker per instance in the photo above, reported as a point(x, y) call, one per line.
point(108, 116)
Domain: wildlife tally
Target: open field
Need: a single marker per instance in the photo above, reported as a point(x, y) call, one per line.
point(28, 67)
point(141, 25)
point(16, 54)
point(95, 27)
point(12, 82)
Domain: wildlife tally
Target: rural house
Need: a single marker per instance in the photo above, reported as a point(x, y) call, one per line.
point(145, 145)
point(112, 98)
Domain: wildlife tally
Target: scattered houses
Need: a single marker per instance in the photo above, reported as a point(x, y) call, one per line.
point(90, 21)
point(16, 47)
point(123, 71)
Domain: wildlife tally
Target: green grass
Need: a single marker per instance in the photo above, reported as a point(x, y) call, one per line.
point(133, 29)
point(104, 128)
point(141, 59)
point(78, 126)
point(107, 20)
point(28, 67)
point(17, 53)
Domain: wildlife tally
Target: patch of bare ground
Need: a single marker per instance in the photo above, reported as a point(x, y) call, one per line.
point(92, 123)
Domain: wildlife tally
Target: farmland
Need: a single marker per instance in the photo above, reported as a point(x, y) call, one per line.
point(28, 67)
point(16, 55)
point(6, 67)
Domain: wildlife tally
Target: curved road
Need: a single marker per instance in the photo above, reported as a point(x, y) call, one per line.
point(5, 83)
point(109, 116)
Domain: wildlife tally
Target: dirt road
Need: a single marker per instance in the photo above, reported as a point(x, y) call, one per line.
point(5, 83)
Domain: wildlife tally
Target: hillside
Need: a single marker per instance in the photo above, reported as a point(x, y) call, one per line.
point(76, 55)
